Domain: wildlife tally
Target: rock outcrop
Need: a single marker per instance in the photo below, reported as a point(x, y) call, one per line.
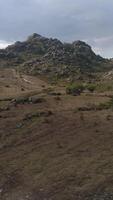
point(40, 55)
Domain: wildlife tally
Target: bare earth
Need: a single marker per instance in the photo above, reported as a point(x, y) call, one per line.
point(49, 150)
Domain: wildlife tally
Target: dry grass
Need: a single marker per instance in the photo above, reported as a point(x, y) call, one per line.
point(64, 156)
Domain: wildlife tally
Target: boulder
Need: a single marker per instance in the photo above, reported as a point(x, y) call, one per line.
point(36, 99)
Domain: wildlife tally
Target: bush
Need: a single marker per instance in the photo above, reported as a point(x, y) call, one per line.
point(75, 89)
point(91, 87)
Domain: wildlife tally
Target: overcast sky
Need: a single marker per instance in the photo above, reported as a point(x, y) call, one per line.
point(68, 20)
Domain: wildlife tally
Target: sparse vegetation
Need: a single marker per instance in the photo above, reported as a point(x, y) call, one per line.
point(38, 114)
point(91, 87)
point(39, 55)
point(95, 107)
point(75, 89)
point(107, 105)
point(104, 86)
point(78, 88)
point(54, 145)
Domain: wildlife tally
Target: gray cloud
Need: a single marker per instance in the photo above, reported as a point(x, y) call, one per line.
point(67, 20)
point(4, 44)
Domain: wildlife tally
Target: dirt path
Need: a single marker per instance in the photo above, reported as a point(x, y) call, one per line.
point(14, 83)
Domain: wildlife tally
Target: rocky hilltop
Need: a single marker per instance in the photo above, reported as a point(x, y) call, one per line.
point(41, 55)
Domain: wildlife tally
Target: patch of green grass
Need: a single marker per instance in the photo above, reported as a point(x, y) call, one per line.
point(105, 86)
point(107, 105)
point(99, 87)
point(4, 103)
point(77, 88)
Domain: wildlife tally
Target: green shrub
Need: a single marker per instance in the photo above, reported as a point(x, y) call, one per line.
point(75, 89)
point(91, 87)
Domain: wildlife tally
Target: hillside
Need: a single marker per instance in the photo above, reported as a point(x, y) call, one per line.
point(55, 136)
point(53, 146)
point(40, 55)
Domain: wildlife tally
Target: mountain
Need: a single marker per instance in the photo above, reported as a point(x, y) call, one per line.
point(47, 56)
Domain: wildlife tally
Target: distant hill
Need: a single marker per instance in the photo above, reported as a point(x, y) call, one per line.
point(41, 55)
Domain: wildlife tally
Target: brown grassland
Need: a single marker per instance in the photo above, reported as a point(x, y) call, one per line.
point(51, 150)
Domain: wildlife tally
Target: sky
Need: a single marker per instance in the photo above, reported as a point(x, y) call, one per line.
point(67, 20)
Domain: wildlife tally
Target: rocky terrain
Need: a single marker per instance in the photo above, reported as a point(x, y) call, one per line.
point(39, 55)
point(55, 127)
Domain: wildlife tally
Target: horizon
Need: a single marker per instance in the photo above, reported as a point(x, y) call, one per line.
point(5, 44)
